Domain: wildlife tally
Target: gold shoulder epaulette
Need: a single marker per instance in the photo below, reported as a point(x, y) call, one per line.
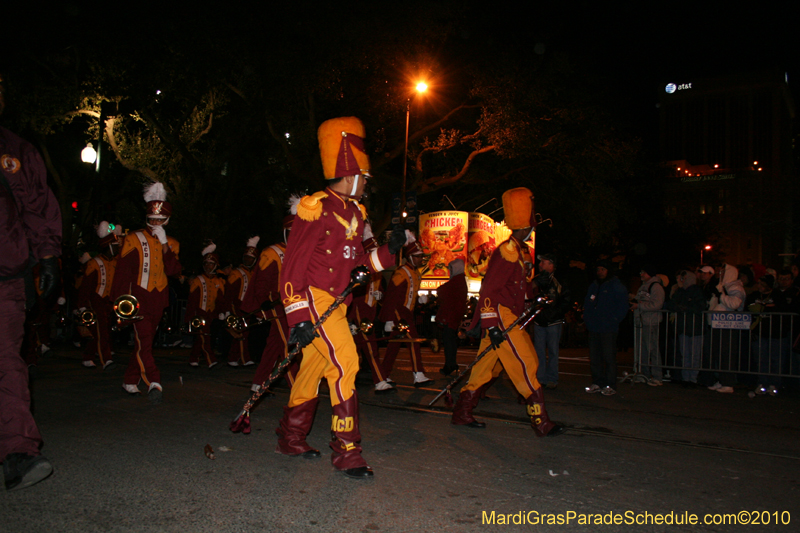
point(509, 251)
point(310, 207)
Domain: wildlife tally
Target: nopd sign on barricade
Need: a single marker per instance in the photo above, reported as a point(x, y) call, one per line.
point(731, 320)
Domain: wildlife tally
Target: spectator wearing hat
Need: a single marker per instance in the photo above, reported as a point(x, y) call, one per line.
point(646, 309)
point(147, 258)
point(549, 321)
point(605, 306)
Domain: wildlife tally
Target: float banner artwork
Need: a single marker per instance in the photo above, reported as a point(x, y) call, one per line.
point(482, 242)
point(443, 238)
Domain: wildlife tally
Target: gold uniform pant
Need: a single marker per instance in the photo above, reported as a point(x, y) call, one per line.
point(517, 356)
point(332, 356)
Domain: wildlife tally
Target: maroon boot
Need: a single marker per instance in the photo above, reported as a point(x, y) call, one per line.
point(295, 426)
point(346, 439)
point(462, 412)
point(540, 422)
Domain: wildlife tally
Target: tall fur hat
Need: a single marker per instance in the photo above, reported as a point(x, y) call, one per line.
point(156, 197)
point(518, 208)
point(341, 147)
point(108, 233)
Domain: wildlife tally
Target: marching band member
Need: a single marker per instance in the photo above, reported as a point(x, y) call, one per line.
point(265, 295)
point(148, 256)
point(501, 301)
point(239, 282)
point(323, 248)
point(205, 291)
point(95, 291)
point(401, 296)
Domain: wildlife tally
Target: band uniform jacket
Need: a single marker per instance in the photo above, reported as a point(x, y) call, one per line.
point(204, 294)
point(239, 282)
point(324, 246)
point(265, 279)
point(96, 283)
point(505, 283)
point(401, 296)
point(142, 269)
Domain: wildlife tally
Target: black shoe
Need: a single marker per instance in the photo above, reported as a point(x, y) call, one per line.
point(386, 391)
point(361, 472)
point(22, 470)
point(475, 424)
point(155, 396)
point(447, 371)
point(557, 430)
point(424, 383)
point(311, 454)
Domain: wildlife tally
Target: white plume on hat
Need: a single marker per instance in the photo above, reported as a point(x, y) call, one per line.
point(209, 249)
point(294, 201)
point(85, 258)
point(252, 242)
point(155, 192)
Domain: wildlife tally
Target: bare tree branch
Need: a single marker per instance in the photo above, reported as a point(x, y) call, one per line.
point(437, 182)
point(112, 142)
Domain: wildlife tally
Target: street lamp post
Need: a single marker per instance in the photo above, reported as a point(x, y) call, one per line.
point(702, 249)
point(421, 88)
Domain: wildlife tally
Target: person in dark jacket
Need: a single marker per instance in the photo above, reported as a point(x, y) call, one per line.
point(31, 232)
point(689, 302)
point(549, 321)
point(605, 306)
point(452, 306)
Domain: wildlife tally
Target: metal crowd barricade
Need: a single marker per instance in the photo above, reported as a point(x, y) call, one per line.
point(684, 344)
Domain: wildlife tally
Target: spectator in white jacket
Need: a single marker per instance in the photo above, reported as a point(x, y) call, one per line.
point(647, 316)
point(727, 295)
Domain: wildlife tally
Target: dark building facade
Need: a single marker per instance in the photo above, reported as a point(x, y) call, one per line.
point(726, 145)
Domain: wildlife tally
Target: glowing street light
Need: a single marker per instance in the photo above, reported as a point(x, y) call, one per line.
point(89, 154)
point(705, 248)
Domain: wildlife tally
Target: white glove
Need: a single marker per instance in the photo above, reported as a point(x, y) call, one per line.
point(378, 295)
point(388, 327)
point(160, 234)
point(423, 299)
point(223, 316)
point(353, 330)
point(410, 239)
point(367, 231)
point(61, 300)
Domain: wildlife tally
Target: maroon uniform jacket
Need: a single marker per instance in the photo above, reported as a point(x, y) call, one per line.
point(324, 246)
point(504, 284)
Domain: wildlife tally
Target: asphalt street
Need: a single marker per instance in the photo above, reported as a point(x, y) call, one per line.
point(124, 465)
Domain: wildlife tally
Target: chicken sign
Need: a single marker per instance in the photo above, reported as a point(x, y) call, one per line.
point(443, 238)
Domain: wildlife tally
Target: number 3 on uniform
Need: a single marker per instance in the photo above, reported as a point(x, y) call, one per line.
point(349, 252)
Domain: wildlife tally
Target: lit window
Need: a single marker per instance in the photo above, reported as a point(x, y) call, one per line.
point(702, 209)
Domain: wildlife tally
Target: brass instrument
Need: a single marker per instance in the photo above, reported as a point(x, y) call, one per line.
point(366, 326)
point(126, 307)
point(87, 318)
point(401, 327)
point(196, 325)
point(235, 323)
